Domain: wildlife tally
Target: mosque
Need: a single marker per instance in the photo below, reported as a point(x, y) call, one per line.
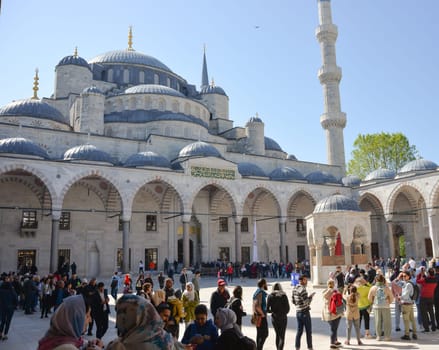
point(128, 161)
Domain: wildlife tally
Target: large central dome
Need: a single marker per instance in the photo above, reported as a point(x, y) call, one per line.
point(129, 57)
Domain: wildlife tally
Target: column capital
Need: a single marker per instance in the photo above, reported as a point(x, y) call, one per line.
point(186, 217)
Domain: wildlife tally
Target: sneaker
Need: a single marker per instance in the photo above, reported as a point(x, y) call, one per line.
point(405, 337)
point(387, 339)
point(414, 336)
point(5, 337)
point(360, 342)
point(398, 329)
point(425, 331)
point(337, 343)
point(333, 346)
point(378, 338)
point(369, 336)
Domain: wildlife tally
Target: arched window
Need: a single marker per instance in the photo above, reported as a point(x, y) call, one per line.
point(110, 75)
point(126, 75)
point(141, 77)
point(156, 79)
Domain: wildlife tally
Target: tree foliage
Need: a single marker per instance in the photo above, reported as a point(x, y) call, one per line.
point(382, 150)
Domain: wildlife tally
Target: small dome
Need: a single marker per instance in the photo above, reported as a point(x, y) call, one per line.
point(73, 60)
point(291, 157)
point(250, 169)
point(380, 174)
point(285, 174)
point(351, 181)
point(129, 57)
point(20, 145)
point(92, 90)
point(209, 89)
point(255, 119)
point(89, 153)
point(32, 108)
point(199, 149)
point(147, 159)
point(271, 145)
point(321, 177)
point(418, 165)
point(337, 202)
point(153, 89)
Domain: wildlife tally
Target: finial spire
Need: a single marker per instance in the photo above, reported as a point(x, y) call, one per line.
point(35, 88)
point(130, 39)
point(204, 75)
point(75, 53)
point(212, 83)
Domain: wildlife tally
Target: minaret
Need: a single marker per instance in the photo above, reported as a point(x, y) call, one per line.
point(333, 120)
point(204, 75)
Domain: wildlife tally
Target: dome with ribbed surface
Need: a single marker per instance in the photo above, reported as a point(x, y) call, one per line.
point(32, 108)
point(285, 173)
point(147, 159)
point(418, 165)
point(92, 90)
point(336, 202)
point(321, 177)
point(380, 174)
point(250, 169)
point(271, 145)
point(153, 89)
point(199, 149)
point(351, 181)
point(74, 60)
point(88, 153)
point(22, 146)
point(209, 89)
point(291, 157)
point(129, 57)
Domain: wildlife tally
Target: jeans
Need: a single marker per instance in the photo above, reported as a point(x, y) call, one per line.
point(333, 324)
point(261, 334)
point(280, 326)
point(6, 317)
point(304, 321)
point(397, 314)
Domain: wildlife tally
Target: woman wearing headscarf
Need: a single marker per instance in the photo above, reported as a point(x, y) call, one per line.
point(279, 307)
point(139, 326)
point(67, 324)
point(225, 319)
point(190, 301)
point(330, 315)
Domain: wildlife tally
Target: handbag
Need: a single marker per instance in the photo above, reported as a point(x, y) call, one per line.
point(256, 320)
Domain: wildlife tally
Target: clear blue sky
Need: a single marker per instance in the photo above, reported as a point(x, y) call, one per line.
point(263, 53)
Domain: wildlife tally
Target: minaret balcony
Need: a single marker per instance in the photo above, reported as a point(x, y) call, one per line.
point(326, 33)
point(329, 74)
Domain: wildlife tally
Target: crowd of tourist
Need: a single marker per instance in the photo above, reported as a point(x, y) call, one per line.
point(151, 307)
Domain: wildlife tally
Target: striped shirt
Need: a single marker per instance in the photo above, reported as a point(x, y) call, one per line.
point(300, 298)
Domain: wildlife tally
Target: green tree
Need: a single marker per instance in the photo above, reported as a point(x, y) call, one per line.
point(382, 150)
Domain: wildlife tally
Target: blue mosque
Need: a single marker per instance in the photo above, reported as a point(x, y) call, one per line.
point(128, 161)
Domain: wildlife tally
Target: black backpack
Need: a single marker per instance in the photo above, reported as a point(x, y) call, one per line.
point(416, 291)
point(247, 343)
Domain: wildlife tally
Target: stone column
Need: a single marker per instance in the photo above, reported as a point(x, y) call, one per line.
point(367, 251)
point(391, 240)
point(317, 270)
point(238, 257)
point(186, 251)
point(54, 241)
point(433, 232)
point(282, 238)
point(347, 254)
point(125, 245)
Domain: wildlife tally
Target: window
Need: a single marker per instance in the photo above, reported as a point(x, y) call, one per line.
point(151, 258)
point(224, 224)
point(300, 225)
point(244, 225)
point(156, 79)
point(29, 219)
point(245, 255)
point(64, 221)
point(224, 253)
point(119, 259)
point(25, 260)
point(151, 222)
